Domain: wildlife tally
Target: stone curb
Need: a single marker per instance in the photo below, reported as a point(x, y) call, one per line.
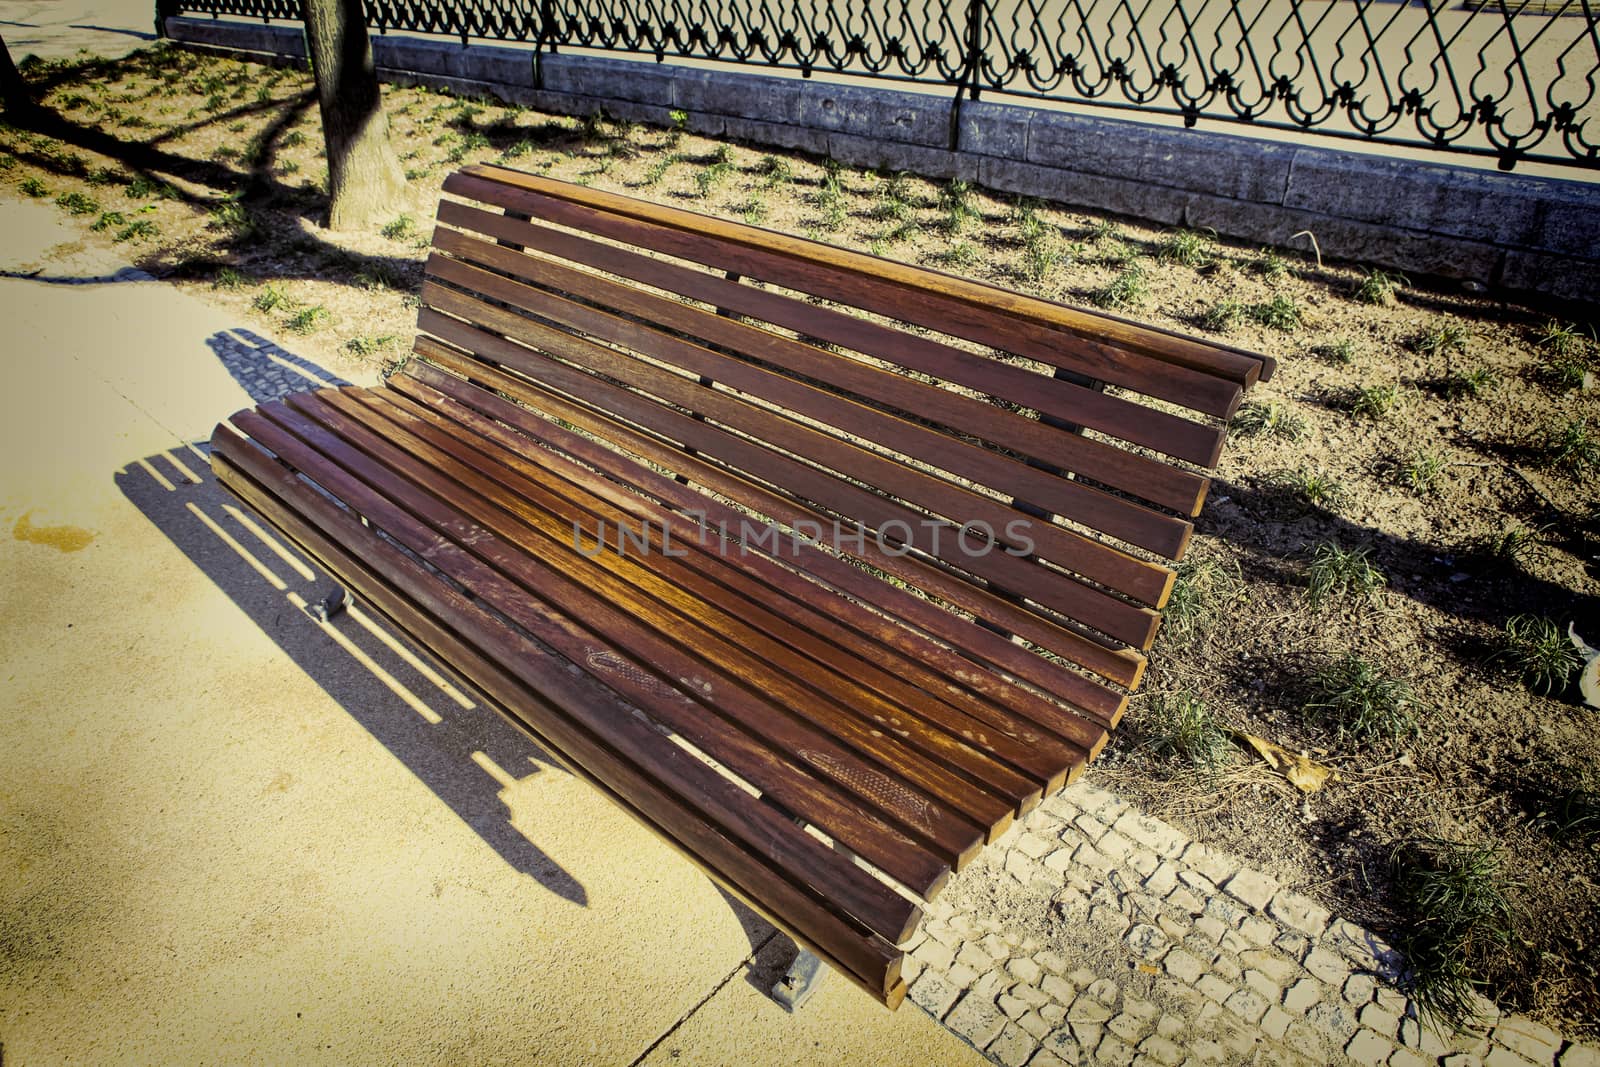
point(1509, 232)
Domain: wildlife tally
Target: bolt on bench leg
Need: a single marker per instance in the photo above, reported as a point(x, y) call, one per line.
point(800, 980)
point(328, 606)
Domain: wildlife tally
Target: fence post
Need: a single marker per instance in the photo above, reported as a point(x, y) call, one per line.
point(968, 81)
point(165, 9)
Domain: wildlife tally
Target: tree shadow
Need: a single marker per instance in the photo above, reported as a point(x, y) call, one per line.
point(460, 748)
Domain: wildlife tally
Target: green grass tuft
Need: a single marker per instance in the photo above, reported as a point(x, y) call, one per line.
point(1202, 586)
point(1191, 248)
point(1537, 650)
point(1379, 287)
point(1270, 419)
point(1337, 572)
point(1570, 446)
point(1128, 289)
point(1180, 727)
point(1355, 699)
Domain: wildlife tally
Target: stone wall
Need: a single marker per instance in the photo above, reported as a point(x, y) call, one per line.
point(1527, 235)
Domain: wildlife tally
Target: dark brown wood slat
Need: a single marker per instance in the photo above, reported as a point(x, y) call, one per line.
point(843, 621)
point(710, 576)
point(1072, 500)
point(855, 684)
point(1220, 359)
point(988, 805)
point(1155, 362)
point(1138, 424)
point(561, 716)
point(823, 803)
point(1119, 665)
point(1142, 476)
point(1127, 622)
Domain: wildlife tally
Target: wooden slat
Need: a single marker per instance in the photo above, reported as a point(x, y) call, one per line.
point(1118, 665)
point(1069, 499)
point(713, 657)
point(934, 667)
point(960, 300)
point(950, 737)
point(1127, 622)
point(715, 575)
point(562, 715)
point(1136, 423)
point(1142, 476)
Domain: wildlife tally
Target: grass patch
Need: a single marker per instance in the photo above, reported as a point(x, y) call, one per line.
point(1569, 446)
point(1421, 472)
point(1191, 248)
point(1203, 584)
point(1375, 401)
point(1336, 572)
point(1379, 287)
point(1129, 289)
point(1458, 920)
point(399, 228)
point(1341, 350)
point(1441, 339)
point(368, 345)
point(33, 187)
point(1508, 546)
point(307, 320)
point(1535, 648)
point(77, 204)
point(1313, 489)
point(1352, 697)
point(1474, 383)
point(1280, 313)
point(138, 230)
point(1179, 727)
point(1271, 419)
point(228, 278)
point(271, 298)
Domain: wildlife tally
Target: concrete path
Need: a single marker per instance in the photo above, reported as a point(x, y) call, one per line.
point(234, 835)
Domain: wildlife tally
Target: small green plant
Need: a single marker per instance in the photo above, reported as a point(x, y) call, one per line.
point(1178, 726)
point(227, 278)
point(1103, 230)
point(1191, 248)
point(1474, 383)
point(1536, 649)
point(368, 345)
point(138, 230)
point(754, 211)
point(680, 124)
point(1510, 545)
point(108, 220)
point(1202, 586)
point(955, 200)
point(1129, 289)
point(1379, 287)
point(271, 298)
point(1458, 919)
point(1279, 313)
point(77, 204)
point(1271, 419)
point(399, 228)
point(1420, 473)
point(518, 150)
point(708, 177)
point(1338, 572)
point(1572, 813)
point(959, 254)
point(1272, 265)
point(307, 320)
point(468, 143)
point(1223, 316)
point(658, 170)
point(774, 171)
point(1313, 489)
point(1341, 350)
point(33, 187)
point(831, 199)
point(1040, 256)
point(1375, 401)
point(1563, 340)
point(1441, 339)
point(293, 139)
point(1353, 698)
point(1570, 446)
point(232, 218)
point(143, 188)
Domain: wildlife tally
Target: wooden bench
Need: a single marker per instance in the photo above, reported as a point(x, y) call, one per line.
point(827, 717)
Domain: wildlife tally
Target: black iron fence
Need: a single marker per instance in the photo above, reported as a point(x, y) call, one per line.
point(1512, 79)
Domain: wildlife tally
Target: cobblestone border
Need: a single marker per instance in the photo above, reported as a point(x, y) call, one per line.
point(1210, 961)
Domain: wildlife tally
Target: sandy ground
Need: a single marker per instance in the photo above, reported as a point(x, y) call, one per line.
point(233, 836)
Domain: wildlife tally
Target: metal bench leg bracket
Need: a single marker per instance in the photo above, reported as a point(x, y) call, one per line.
point(800, 981)
point(328, 607)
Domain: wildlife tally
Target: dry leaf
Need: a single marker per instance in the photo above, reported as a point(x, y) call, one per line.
point(1303, 772)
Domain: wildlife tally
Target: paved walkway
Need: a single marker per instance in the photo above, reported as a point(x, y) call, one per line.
point(1093, 934)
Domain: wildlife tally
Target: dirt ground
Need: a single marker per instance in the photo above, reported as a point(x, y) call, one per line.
point(1449, 433)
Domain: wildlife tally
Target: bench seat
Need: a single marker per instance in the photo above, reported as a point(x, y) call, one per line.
point(662, 519)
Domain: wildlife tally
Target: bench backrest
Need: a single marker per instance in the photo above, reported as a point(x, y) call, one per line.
point(807, 384)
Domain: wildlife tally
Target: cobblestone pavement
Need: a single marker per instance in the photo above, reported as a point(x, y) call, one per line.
point(1093, 934)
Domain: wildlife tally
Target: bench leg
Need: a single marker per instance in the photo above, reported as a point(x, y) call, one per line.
point(800, 981)
point(329, 606)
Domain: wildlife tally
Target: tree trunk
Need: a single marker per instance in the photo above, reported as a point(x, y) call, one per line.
point(364, 177)
point(13, 90)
